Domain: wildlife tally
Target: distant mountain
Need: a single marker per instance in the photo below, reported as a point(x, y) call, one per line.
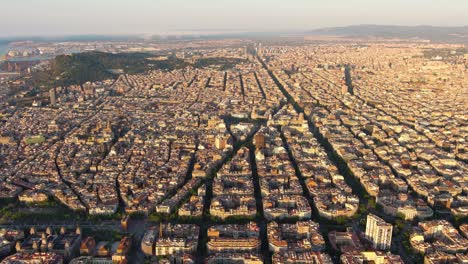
point(438, 34)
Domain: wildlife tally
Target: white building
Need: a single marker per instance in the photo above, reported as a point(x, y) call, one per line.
point(379, 232)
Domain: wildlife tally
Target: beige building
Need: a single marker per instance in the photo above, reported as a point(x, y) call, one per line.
point(379, 232)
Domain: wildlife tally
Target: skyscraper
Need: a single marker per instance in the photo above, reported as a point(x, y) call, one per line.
point(52, 97)
point(379, 232)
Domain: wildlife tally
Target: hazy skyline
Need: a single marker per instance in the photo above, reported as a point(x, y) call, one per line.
point(66, 17)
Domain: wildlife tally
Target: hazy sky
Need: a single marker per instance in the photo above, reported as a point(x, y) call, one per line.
point(71, 17)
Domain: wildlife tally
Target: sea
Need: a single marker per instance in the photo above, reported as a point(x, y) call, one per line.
point(3, 49)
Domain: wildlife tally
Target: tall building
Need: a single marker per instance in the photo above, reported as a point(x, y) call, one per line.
point(52, 97)
point(259, 140)
point(348, 80)
point(258, 49)
point(220, 142)
point(379, 232)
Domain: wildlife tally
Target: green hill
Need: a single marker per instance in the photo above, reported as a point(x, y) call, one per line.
point(96, 66)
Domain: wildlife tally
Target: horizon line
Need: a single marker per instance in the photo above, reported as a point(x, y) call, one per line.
point(198, 32)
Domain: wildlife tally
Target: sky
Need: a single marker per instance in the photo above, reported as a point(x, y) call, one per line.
point(117, 17)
